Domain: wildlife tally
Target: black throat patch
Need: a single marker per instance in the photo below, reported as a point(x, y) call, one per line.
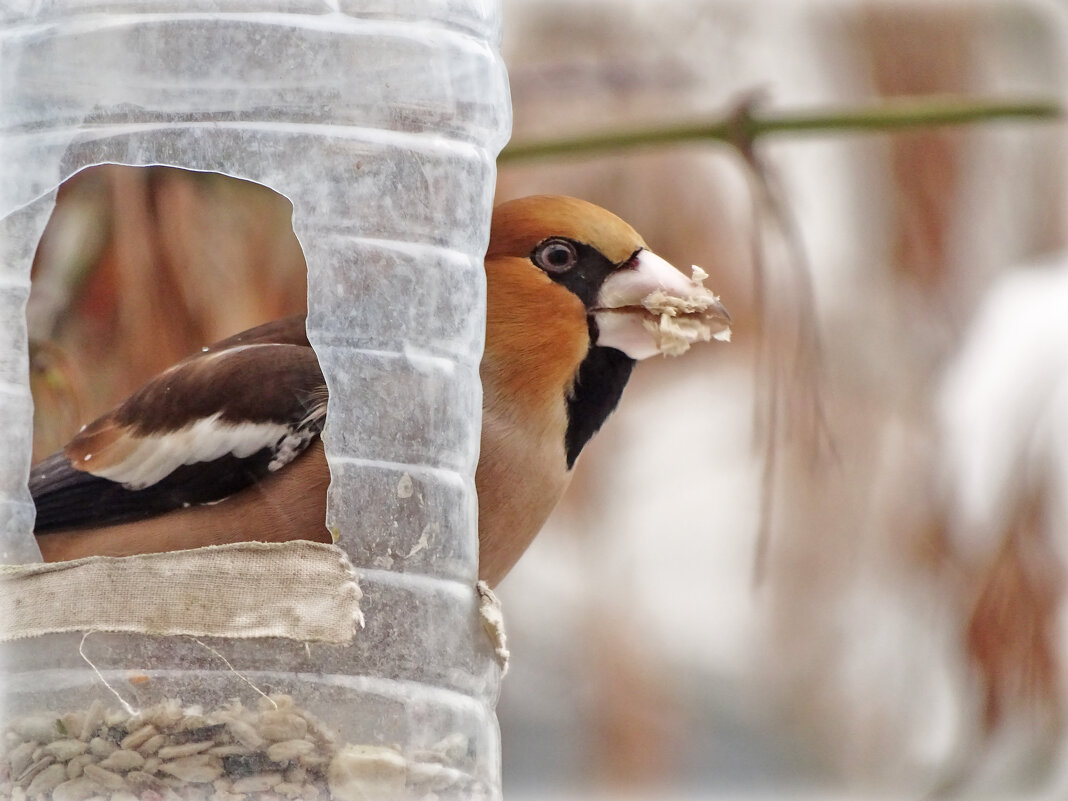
point(604, 372)
point(601, 378)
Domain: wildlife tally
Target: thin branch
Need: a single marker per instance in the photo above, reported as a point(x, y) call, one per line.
point(744, 125)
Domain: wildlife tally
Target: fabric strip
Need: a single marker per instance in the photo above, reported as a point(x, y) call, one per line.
point(301, 590)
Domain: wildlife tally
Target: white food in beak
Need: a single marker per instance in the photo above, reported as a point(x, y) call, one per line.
point(653, 308)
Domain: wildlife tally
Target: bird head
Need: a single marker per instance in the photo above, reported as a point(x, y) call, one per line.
point(574, 298)
point(631, 299)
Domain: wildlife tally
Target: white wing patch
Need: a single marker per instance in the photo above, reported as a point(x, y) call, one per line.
point(155, 457)
point(289, 449)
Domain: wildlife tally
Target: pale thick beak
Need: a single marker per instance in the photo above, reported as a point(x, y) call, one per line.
point(652, 308)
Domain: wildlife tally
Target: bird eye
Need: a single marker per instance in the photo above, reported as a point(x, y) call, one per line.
point(555, 256)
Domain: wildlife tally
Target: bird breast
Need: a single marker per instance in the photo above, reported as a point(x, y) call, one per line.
point(521, 474)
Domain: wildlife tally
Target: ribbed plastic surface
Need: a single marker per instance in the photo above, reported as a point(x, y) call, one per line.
point(381, 121)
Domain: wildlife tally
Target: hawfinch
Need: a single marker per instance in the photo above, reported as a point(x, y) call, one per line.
point(225, 446)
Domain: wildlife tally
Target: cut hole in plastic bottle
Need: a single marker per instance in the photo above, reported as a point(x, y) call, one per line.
point(138, 268)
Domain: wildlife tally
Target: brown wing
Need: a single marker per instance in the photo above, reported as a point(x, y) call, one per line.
point(199, 432)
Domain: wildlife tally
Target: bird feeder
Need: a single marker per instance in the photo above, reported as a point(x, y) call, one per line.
point(293, 670)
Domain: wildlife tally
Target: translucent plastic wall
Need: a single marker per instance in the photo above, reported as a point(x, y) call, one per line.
point(381, 121)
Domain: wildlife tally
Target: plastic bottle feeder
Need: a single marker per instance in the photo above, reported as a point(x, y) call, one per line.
point(294, 670)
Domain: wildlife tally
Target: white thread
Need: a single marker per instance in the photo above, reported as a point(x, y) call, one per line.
point(236, 672)
point(99, 675)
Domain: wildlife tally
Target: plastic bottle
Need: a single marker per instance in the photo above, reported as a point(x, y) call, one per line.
point(381, 122)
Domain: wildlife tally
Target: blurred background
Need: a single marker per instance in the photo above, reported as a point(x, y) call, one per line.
point(900, 627)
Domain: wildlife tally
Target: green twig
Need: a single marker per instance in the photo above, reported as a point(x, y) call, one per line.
point(746, 124)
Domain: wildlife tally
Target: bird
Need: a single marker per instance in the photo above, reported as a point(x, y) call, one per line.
point(225, 446)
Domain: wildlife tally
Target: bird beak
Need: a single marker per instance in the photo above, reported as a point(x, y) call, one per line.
point(648, 307)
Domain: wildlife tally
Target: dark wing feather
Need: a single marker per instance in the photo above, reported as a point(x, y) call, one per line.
point(67, 498)
point(200, 432)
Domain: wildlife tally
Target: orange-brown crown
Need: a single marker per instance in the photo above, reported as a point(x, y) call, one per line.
point(519, 225)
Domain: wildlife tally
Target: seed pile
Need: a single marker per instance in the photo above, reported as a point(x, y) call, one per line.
point(168, 752)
